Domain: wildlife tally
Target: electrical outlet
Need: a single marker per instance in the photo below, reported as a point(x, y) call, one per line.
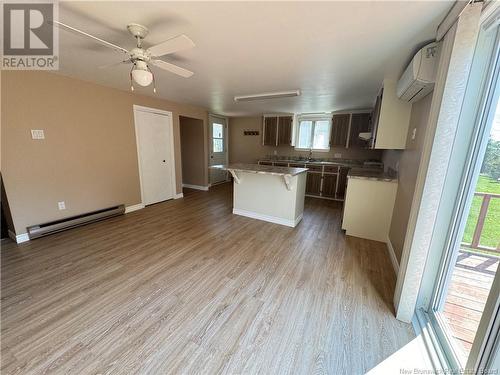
point(337, 155)
point(37, 134)
point(275, 152)
point(61, 205)
point(414, 133)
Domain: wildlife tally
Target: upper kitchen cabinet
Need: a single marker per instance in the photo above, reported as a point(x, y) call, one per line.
point(360, 124)
point(277, 130)
point(391, 119)
point(340, 130)
point(285, 130)
point(269, 133)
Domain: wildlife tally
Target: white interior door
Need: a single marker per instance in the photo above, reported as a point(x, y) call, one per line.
point(218, 147)
point(155, 153)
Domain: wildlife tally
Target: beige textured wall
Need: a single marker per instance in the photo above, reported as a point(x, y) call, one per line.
point(193, 137)
point(89, 157)
point(249, 149)
point(408, 168)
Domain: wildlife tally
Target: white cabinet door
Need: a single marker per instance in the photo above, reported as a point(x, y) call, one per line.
point(368, 208)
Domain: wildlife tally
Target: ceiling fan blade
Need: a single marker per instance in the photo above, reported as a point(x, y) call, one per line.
point(115, 64)
point(172, 68)
point(83, 33)
point(175, 44)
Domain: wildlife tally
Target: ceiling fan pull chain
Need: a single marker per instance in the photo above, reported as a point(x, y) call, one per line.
point(131, 80)
point(154, 81)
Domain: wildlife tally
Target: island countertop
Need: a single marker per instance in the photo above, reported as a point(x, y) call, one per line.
point(372, 174)
point(261, 169)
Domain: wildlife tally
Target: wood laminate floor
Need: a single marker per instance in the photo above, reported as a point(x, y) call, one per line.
point(185, 287)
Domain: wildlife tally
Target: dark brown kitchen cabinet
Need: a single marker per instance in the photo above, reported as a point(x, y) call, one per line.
point(313, 183)
point(342, 185)
point(285, 130)
point(360, 123)
point(340, 130)
point(270, 131)
point(329, 185)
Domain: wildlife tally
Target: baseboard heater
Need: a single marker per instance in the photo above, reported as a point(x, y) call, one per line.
point(40, 230)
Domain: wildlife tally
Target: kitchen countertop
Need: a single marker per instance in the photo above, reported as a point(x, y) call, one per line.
point(261, 169)
point(346, 163)
point(372, 174)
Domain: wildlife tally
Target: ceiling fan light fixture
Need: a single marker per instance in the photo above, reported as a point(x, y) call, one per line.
point(141, 74)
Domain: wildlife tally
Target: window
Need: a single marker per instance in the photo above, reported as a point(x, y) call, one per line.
point(461, 298)
point(218, 137)
point(314, 133)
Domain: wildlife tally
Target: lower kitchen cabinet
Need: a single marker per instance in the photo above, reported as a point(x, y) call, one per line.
point(368, 208)
point(329, 187)
point(326, 181)
point(313, 183)
point(342, 185)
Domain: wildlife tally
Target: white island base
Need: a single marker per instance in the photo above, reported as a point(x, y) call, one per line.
point(266, 197)
point(273, 194)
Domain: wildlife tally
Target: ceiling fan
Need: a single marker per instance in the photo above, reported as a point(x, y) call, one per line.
point(142, 57)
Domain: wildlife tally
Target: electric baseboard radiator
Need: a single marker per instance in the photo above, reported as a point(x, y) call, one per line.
point(40, 230)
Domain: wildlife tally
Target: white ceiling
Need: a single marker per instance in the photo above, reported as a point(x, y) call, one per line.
point(336, 53)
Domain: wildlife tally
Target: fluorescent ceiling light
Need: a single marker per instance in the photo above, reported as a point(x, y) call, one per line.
point(267, 95)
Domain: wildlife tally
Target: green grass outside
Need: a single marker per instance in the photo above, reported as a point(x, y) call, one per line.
point(491, 230)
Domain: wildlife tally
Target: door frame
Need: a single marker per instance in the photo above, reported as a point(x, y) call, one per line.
point(168, 114)
point(211, 144)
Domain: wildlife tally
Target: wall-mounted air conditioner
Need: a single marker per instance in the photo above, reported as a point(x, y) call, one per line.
point(419, 76)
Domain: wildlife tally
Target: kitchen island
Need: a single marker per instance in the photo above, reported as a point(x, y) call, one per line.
point(269, 193)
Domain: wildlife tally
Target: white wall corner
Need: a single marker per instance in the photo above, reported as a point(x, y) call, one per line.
point(178, 195)
point(196, 187)
point(135, 207)
point(20, 238)
point(392, 255)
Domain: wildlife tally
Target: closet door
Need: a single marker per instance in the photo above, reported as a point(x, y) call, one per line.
point(155, 155)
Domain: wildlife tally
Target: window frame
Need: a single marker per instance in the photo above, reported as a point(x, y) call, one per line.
point(313, 119)
point(453, 202)
point(222, 138)
point(487, 87)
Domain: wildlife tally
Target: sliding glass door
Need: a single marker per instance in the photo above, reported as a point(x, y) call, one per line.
point(466, 299)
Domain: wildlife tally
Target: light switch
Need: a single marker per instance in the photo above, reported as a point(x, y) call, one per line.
point(414, 133)
point(337, 155)
point(61, 205)
point(37, 134)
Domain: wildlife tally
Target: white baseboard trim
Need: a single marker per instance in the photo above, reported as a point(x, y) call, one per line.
point(135, 207)
point(20, 238)
point(271, 219)
point(196, 187)
point(178, 195)
point(392, 255)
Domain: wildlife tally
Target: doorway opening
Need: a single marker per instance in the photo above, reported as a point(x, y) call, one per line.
point(218, 132)
point(6, 220)
point(192, 153)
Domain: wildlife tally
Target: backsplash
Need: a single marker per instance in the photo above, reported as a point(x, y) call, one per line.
point(333, 153)
point(245, 149)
